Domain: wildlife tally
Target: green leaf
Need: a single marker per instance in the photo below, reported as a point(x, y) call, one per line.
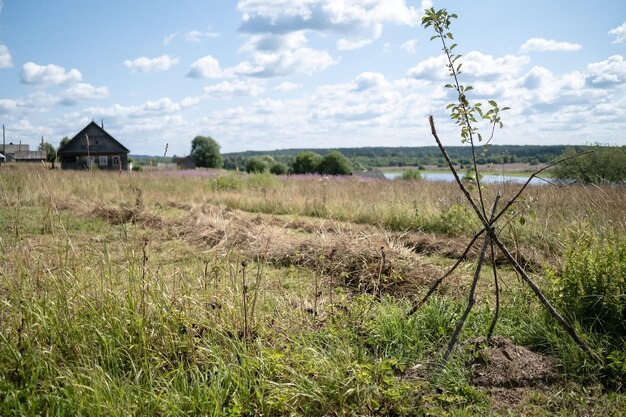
point(505, 108)
point(434, 37)
point(493, 103)
point(522, 220)
point(449, 86)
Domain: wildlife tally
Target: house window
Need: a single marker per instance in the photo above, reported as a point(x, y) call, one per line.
point(103, 161)
point(116, 161)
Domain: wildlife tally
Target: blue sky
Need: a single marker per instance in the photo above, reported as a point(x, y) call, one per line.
point(262, 75)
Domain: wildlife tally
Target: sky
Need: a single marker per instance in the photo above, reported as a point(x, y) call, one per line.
point(281, 74)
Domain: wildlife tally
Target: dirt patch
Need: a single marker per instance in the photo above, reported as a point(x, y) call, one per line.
point(501, 364)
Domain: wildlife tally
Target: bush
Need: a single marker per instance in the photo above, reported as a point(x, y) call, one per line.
point(256, 165)
point(592, 284)
point(603, 164)
point(334, 164)
point(230, 182)
point(411, 175)
point(279, 169)
point(306, 162)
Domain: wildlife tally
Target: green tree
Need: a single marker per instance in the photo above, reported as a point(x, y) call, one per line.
point(205, 151)
point(603, 164)
point(334, 163)
point(256, 164)
point(279, 168)
point(306, 162)
point(51, 153)
point(64, 142)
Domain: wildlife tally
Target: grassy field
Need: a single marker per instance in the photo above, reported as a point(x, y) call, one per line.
point(159, 293)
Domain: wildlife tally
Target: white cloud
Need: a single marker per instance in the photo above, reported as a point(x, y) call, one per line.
point(227, 89)
point(608, 72)
point(285, 62)
point(48, 74)
point(359, 22)
point(273, 43)
point(5, 55)
point(84, 91)
point(410, 46)
point(189, 102)
point(287, 86)
point(619, 33)
point(169, 38)
point(205, 67)
point(482, 65)
point(151, 108)
point(339, 16)
point(475, 64)
point(348, 45)
point(368, 80)
point(197, 36)
point(144, 64)
point(163, 105)
point(194, 36)
point(548, 45)
point(432, 68)
point(38, 101)
point(7, 105)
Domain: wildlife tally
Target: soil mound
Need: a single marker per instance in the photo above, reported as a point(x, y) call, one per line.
point(501, 364)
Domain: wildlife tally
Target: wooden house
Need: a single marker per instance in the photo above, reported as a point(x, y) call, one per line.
point(93, 147)
point(22, 153)
point(185, 162)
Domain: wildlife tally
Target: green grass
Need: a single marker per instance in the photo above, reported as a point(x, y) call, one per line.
point(124, 319)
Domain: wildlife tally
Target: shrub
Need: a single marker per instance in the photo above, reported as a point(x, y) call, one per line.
point(256, 164)
point(454, 221)
point(411, 175)
point(603, 164)
point(306, 162)
point(226, 183)
point(334, 164)
point(279, 169)
point(592, 284)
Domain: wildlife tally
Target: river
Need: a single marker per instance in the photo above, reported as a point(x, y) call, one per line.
point(448, 177)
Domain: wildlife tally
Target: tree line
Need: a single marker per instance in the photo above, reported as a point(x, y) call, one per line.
point(376, 157)
point(600, 163)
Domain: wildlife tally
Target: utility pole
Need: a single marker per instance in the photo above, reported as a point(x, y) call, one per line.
point(4, 150)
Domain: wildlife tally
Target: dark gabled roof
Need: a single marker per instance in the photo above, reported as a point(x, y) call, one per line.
point(93, 131)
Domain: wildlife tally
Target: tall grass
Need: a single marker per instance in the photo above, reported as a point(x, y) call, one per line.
point(115, 318)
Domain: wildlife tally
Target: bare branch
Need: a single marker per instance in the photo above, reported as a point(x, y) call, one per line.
point(456, 175)
point(512, 200)
point(436, 284)
point(562, 322)
point(496, 314)
point(472, 298)
point(470, 304)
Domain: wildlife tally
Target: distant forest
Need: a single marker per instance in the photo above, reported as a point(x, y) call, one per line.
point(367, 158)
